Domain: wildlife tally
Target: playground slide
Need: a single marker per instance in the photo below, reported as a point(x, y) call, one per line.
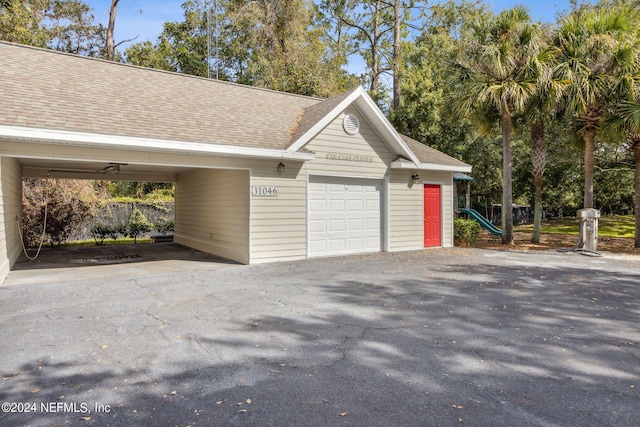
point(482, 221)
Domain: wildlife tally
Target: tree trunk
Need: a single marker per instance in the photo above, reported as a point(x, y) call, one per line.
point(375, 74)
point(507, 192)
point(110, 44)
point(589, 164)
point(538, 160)
point(375, 58)
point(636, 197)
point(396, 54)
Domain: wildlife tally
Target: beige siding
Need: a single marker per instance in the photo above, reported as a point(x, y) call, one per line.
point(279, 224)
point(334, 140)
point(446, 178)
point(10, 208)
point(405, 212)
point(406, 207)
point(212, 212)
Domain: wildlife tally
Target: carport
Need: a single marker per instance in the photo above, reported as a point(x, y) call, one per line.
point(210, 218)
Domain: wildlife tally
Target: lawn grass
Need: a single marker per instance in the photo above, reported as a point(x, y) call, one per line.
point(608, 226)
point(120, 241)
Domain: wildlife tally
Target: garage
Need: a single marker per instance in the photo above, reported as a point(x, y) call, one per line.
point(344, 215)
point(261, 176)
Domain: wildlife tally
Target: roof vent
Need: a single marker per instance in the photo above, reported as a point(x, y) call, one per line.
point(351, 124)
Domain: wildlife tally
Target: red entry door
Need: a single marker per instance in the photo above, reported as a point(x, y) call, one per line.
point(432, 213)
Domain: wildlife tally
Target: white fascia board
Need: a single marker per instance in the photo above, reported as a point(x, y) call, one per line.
point(429, 167)
point(311, 133)
point(94, 140)
point(358, 93)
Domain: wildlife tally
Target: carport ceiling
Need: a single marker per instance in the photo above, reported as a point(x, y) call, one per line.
point(112, 171)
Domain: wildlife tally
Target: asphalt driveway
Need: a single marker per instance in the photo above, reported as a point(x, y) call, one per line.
point(429, 338)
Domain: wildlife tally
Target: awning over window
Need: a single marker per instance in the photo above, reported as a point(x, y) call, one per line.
point(459, 176)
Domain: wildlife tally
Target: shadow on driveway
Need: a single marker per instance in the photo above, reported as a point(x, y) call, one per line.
point(437, 337)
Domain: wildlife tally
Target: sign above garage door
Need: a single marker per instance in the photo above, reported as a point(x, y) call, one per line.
point(344, 216)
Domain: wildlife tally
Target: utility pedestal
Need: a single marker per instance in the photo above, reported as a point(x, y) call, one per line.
point(589, 228)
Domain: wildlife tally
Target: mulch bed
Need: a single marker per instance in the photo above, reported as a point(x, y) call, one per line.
point(555, 241)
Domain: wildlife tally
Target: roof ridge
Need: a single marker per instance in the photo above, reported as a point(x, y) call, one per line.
point(139, 67)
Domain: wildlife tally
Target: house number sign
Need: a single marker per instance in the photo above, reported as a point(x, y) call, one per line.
point(262, 191)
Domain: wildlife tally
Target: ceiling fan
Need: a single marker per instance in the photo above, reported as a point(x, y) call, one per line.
point(112, 168)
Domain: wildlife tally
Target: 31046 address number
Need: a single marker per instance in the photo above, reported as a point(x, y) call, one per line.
point(262, 191)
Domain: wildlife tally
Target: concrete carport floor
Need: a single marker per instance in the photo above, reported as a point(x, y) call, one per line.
point(436, 337)
point(77, 263)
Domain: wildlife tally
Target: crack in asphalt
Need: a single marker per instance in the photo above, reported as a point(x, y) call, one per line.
point(275, 301)
point(157, 319)
point(343, 357)
point(204, 349)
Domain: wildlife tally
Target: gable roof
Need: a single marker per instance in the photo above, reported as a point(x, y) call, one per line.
point(335, 106)
point(51, 96)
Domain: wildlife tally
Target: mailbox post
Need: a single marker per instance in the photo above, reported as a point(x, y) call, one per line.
point(589, 228)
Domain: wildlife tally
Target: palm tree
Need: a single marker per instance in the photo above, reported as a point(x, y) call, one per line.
point(623, 124)
point(539, 113)
point(594, 49)
point(493, 78)
point(538, 162)
point(630, 113)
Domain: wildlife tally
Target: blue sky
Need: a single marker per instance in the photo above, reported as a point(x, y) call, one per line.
point(144, 18)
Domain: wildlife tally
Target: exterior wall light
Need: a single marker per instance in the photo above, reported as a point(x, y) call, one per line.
point(281, 168)
point(415, 177)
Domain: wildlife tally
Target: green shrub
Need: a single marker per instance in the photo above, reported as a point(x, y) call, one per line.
point(466, 231)
point(138, 224)
point(121, 228)
point(164, 226)
point(102, 231)
point(69, 202)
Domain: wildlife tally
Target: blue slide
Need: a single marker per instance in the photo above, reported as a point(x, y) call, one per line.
point(482, 221)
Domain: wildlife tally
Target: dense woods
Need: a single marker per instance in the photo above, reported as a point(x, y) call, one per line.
point(546, 112)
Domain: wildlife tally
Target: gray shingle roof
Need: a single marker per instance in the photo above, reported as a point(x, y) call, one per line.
point(73, 93)
point(427, 154)
point(41, 88)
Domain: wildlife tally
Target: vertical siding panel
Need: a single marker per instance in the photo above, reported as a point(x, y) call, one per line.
point(10, 207)
point(448, 209)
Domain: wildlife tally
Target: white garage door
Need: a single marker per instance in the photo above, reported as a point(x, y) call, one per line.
point(344, 216)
